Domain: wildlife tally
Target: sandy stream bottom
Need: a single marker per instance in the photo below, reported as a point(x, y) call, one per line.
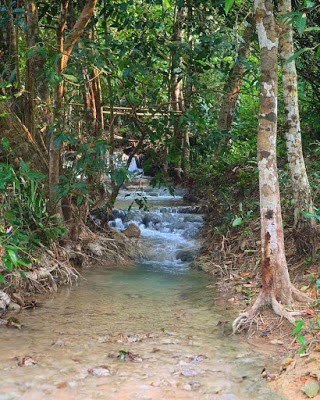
point(169, 322)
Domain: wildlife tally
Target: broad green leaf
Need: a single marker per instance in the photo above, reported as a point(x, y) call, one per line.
point(13, 257)
point(310, 4)
point(301, 21)
point(70, 78)
point(228, 5)
point(237, 221)
point(79, 200)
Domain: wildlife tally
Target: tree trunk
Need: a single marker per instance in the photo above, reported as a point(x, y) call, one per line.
point(232, 86)
point(275, 277)
point(276, 284)
point(65, 47)
point(304, 229)
point(177, 98)
point(38, 96)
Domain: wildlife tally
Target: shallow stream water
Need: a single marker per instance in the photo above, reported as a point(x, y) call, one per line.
point(162, 315)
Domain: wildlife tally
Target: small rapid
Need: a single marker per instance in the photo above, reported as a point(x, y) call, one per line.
point(153, 331)
point(168, 233)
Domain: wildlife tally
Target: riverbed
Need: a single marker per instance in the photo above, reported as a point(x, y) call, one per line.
point(154, 330)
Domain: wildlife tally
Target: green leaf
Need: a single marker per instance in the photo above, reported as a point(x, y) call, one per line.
point(310, 4)
point(312, 28)
point(13, 257)
point(298, 327)
point(228, 5)
point(18, 11)
point(301, 21)
point(79, 200)
point(297, 54)
point(5, 143)
point(70, 78)
point(2, 278)
point(237, 221)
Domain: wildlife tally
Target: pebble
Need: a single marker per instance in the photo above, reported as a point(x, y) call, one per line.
point(100, 371)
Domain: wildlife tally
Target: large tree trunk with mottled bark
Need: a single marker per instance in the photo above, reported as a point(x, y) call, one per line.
point(276, 285)
point(304, 229)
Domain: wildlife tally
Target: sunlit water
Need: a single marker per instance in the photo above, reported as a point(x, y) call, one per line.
point(184, 354)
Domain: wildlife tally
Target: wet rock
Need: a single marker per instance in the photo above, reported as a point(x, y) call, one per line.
point(4, 300)
point(278, 342)
point(185, 255)
point(102, 370)
point(170, 341)
point(59, 342)
point(311, 388)
point(188, 372)
point(132, 231)
point(14, 306)
point(113, 354)
point(192, 385)
point(199, 358)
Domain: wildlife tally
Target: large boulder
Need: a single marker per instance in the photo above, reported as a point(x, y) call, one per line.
point(132, 231)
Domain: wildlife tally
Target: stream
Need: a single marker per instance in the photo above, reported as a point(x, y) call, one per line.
point(152, 331)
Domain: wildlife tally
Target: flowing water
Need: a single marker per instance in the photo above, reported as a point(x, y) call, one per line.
point(151, 331)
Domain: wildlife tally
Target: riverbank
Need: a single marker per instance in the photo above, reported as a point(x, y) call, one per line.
point(231, 253)
point(62, 265)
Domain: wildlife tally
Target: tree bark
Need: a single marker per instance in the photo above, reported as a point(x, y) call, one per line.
point(304, 229)
point(232, 86)
point(275, 277)
point(177, 98)
point(38, 96)
point(276, 284)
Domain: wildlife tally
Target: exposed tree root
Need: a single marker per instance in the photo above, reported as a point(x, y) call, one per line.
point(263, 299)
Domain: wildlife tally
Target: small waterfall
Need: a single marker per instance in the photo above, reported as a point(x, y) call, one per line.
point(133, 167)
point(168, 233)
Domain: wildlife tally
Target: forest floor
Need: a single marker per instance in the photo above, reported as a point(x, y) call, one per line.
point(232, 254)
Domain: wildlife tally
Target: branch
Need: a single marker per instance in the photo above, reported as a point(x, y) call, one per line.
point(79, 26)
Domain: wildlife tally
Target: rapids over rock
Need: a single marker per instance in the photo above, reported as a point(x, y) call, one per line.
point(155, 330)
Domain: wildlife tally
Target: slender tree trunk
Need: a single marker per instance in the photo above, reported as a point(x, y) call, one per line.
point(232, 86)
point(177, 98)
point(276, 284)
point(65, 47)
point(304, 229)
point(37, 110)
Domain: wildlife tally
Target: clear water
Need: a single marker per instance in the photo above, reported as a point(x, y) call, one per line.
point(185, 353)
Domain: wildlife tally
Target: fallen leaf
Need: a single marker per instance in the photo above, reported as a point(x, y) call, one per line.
point(61, 385)
point(311, 388)
point(26, 361)
point(310, 311)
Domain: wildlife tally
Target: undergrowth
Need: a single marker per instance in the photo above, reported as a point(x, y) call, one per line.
point(25, 221)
